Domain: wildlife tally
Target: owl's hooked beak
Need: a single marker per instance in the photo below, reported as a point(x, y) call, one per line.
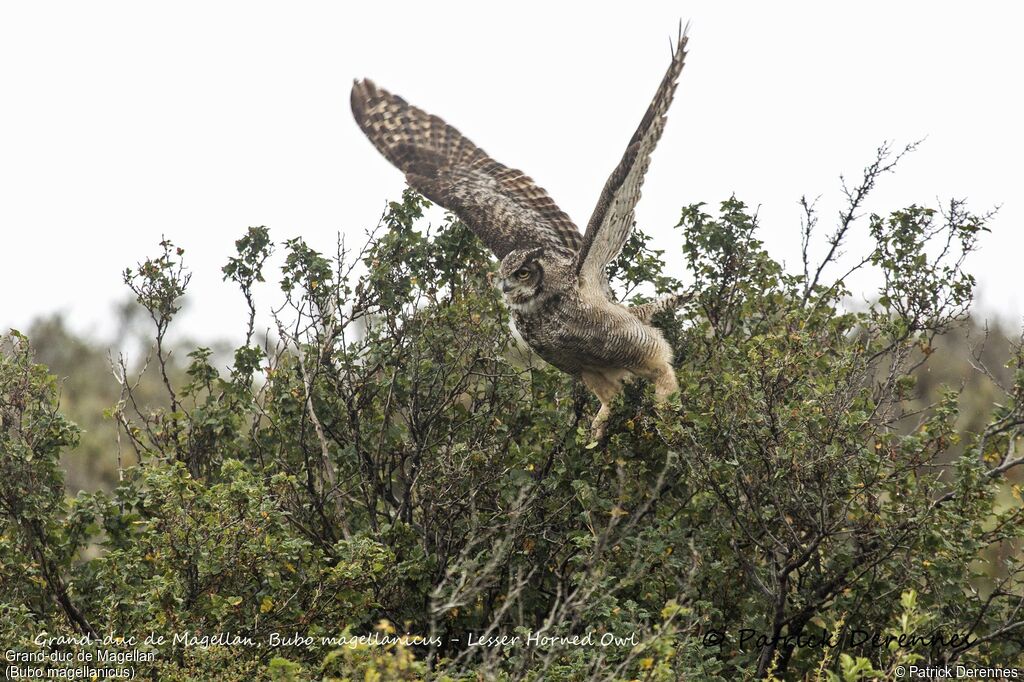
point(505, 286)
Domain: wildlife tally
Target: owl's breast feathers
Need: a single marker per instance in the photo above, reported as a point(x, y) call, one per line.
point(575, 335)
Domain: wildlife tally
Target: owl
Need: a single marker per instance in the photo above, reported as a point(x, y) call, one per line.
point(553, 276)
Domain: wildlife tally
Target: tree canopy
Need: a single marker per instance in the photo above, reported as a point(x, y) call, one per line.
point(396, 464)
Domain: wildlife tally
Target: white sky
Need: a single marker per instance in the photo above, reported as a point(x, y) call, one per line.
point(124, 121)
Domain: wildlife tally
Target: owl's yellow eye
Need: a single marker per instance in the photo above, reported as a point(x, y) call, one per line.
point(523, 275)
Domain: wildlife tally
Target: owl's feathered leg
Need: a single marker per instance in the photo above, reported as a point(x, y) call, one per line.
point(645, 312)
point(606, 386)
point(665, 384)
point(660, 372)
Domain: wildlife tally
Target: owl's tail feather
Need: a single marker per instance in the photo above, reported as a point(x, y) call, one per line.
point(645, 312)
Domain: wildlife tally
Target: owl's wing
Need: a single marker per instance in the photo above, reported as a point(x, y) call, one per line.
point(612, 221)
point(501, 205)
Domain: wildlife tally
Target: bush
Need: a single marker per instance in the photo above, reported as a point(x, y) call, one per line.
point(395, 465)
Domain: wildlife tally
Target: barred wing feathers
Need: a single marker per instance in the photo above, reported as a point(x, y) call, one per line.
point(501, 205)
point(612, 221)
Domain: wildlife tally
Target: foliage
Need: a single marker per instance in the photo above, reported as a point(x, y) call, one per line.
point(396, 465)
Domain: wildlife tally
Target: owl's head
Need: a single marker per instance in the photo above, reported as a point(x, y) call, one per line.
point(521, 275)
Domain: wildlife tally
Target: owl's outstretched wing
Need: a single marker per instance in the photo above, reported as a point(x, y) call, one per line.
point(501, 205)
point(612, 221)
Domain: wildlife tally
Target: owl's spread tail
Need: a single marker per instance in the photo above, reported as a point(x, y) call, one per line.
point(645, 312)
